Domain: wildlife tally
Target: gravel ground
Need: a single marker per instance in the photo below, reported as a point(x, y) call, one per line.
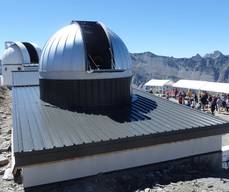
point(6, 181)
point(178, 176)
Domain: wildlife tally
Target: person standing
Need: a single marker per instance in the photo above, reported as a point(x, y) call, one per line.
point(176, 93)
point(167, 95)
point(189, 93)
point(227, 104)
point(219, 103)
point(213, 105)
point(204, 100)
point(180, 99)
point(196, 98)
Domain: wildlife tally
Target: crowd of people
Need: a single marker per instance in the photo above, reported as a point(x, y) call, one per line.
point(202, 100)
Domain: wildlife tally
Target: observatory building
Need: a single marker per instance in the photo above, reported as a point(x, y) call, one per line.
point(85, 65)
point(19, 56)
point(83, 117)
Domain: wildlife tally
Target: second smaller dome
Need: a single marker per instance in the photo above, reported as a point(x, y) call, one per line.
point(20, 53)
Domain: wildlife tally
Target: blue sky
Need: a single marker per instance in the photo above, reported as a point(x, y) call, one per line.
point(178, 28)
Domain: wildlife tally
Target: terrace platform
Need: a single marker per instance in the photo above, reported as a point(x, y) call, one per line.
point(59, 145)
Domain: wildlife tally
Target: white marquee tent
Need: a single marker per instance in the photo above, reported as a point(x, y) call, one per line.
point(203, 86)
point(190, 84)
point(159, 83)
point(216, 87)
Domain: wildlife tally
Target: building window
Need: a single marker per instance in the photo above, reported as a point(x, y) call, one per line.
point(5, 68)
point(19, 68)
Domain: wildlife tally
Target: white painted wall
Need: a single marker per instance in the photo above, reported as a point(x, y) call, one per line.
point(25, 78)
point(7, 73)
point(92, 165)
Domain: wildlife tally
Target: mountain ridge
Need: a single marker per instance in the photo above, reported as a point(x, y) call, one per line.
point(211, 67)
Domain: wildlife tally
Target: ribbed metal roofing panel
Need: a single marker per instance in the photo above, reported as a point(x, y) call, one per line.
point(40, 127)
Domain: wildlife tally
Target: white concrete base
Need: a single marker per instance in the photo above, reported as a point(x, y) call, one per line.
point(25, 78)
point(7, 73)
point(91, 165)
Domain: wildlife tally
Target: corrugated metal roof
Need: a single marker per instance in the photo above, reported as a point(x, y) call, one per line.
point(40, 128)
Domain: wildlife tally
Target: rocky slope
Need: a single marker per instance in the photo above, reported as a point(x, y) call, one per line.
point(211, 67)
point(6, 178)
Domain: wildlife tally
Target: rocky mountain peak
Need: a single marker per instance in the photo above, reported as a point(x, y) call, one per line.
point(149, 54)
point(215, 54)
point(197, 57)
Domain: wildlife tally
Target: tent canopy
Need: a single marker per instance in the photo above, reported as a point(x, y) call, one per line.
point(159, 83)
point(216, 87)
point(190, 84)
point(203, 86)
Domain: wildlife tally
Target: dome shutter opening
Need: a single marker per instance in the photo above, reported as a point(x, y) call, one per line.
point(97, 46)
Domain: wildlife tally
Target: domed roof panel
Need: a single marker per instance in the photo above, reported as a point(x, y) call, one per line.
point(32, 51)
point(64, 52)
point(15, 53)
point(120, 51)
point(49, 51)
point(12, 56)
point(38, 49)
point(21, 53)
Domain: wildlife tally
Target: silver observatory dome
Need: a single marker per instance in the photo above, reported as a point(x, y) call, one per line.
point(83, 48)
point(84, 65)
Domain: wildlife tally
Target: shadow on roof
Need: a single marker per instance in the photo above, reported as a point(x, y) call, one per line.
point(136, 111)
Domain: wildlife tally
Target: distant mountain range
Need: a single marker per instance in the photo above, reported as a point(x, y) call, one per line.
point(211, 67)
